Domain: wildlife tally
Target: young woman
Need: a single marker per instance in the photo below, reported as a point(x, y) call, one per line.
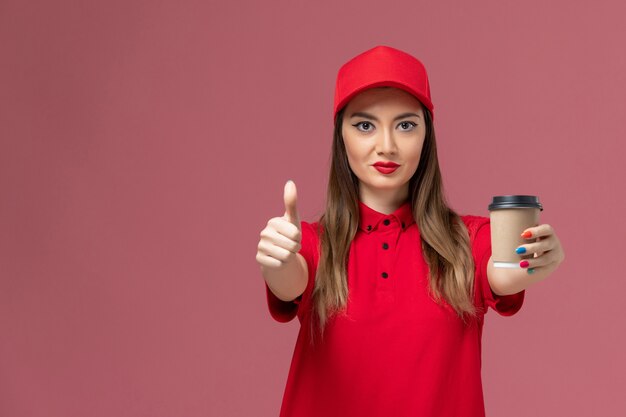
point(390, 285)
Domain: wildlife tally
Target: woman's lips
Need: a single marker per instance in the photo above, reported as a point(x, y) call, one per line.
point(385, 170)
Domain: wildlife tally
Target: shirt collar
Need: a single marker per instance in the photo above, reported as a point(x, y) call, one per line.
point(370, 219)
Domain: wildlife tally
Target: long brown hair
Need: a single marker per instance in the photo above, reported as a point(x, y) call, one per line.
point(444, 238)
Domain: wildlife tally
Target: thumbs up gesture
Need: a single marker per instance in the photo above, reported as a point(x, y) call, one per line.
point(281, 238)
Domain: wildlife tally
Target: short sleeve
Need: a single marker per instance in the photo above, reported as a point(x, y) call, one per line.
point(285, 311)
point(506, 305)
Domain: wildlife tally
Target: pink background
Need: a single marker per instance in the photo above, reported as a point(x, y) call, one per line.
point(144, 146)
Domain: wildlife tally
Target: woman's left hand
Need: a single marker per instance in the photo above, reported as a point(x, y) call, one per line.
point(547, 249)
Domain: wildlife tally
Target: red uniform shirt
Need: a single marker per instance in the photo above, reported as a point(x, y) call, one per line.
point(397, 353)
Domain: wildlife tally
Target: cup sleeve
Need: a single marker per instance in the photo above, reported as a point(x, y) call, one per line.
point(505, 305)
point(285, 311)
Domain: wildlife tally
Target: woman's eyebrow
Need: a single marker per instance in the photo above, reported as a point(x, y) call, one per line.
point(370, 116)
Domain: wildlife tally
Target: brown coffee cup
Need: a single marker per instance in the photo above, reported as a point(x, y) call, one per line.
point(509, 216)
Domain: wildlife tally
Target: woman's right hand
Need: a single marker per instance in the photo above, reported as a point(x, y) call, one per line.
point(281, 238)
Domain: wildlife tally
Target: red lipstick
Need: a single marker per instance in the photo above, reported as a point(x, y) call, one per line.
point(385, 167)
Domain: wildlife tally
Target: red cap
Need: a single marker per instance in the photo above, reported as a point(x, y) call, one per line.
point(382, 66)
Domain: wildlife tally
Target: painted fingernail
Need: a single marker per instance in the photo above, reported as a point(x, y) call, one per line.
point(530, 270)
point(521, 249)
point(527, 234)
point(524, 264)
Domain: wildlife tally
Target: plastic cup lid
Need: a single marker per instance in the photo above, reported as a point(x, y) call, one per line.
point(515, 201)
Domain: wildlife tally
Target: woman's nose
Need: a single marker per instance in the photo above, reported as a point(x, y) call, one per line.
point(387, 142)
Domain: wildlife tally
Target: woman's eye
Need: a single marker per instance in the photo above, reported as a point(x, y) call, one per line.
point(407, 124)
point(368, 127)
point(363, 124)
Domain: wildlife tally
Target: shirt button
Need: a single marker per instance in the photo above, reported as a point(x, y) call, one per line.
point(385, 246)
point(369, 227)
point(386, 222)
point(384, 274)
